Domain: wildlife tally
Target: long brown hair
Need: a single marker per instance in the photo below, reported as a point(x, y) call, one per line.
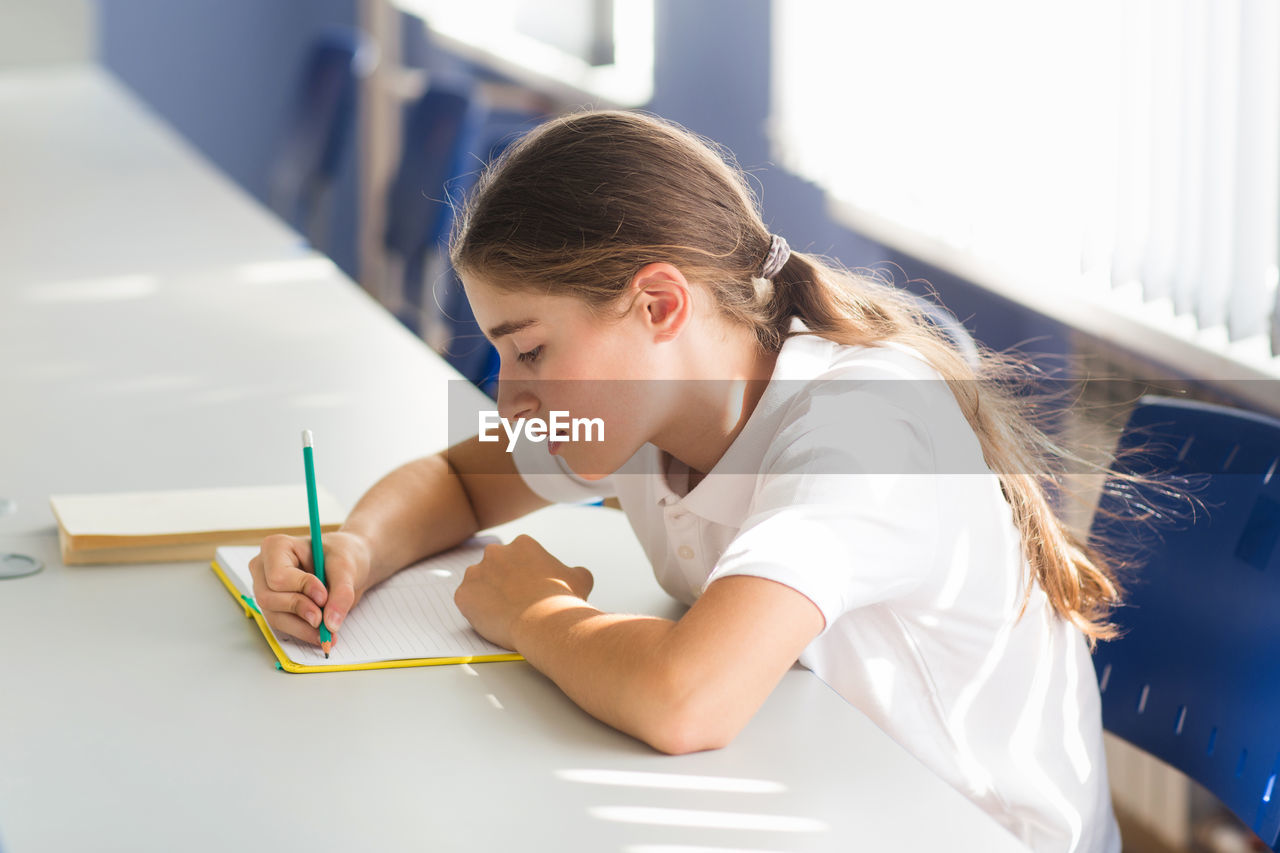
point(582, 203)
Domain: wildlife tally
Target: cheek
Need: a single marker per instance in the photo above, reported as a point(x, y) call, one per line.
point(626, 429)
point(620, 403)
point(612, 354)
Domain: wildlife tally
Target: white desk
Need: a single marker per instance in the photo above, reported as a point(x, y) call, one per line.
point(96, 186)
point(141, 712)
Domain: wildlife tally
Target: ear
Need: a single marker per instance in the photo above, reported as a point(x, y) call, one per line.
point(663, 300)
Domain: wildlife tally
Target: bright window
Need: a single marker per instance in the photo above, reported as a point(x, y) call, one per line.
point(590, 50)
point(1096, 147)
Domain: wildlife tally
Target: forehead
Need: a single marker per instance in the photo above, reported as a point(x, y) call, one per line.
point(501, 311)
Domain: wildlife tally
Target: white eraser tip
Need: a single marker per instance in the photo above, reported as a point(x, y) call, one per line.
point(306, 438)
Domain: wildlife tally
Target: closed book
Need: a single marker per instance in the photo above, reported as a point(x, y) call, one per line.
point(186, 524)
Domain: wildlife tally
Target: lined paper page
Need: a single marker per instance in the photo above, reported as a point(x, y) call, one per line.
point(410, 615)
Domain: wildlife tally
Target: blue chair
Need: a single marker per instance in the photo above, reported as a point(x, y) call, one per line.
point(449, 135)
point(318, 135)
point(441, 129)
point(1195, 677)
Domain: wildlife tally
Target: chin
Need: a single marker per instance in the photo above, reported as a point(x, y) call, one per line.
point(592, 466)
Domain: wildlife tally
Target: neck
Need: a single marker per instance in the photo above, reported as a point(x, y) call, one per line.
point(721, 384)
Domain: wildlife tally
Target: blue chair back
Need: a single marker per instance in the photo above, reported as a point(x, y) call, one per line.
point(440, 129)
point(318, 135)
point(1195, 677)
point(449, 136)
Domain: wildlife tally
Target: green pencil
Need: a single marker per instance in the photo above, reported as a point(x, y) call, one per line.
point(317, 546)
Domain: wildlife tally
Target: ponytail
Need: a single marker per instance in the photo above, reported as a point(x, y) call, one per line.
point(864, 310)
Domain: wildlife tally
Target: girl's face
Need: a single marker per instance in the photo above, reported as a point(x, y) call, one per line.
point(557, 356)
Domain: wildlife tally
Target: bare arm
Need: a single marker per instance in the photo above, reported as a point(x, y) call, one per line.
point(679, 686)
point(434, 503)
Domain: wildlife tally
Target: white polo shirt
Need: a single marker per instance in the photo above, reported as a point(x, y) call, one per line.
point(858, 482)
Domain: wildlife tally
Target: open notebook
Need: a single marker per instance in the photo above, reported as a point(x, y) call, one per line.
point(408, 620)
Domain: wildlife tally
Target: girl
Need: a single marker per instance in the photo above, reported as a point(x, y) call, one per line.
point(810, 495)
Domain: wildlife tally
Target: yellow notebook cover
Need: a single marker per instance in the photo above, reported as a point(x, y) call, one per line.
point(408, 620)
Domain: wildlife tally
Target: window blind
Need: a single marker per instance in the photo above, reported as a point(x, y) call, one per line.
point(1111, 150)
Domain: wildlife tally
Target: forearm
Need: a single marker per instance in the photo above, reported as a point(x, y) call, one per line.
point(678, 686)
point(623, 670)
point(417, 510)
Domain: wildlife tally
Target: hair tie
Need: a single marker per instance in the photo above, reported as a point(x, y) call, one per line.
point(779, 254)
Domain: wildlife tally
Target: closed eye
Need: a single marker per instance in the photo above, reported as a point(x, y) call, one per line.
point(531, 356)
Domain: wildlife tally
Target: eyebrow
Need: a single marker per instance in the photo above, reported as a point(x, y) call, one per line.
point(503, 329)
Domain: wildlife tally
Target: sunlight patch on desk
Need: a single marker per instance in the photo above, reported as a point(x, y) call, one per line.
point(707, 820)
point(493, 700)
point(470, 670)
point(279, 272)
point(671, 781)
point(150, 384)
point(112, 289)
point(320, 400)
point(218, 396)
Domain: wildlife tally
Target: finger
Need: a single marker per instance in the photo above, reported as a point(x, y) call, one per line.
point(476, 570)
point(279, 548)
point(346, 569)
point(293, 603)
point(287, 623)
point(526, 544)
point(286, 565)
point(284, 577)
point(583, 581)
point(255, 571)
point(342, 597)
point(462, 597)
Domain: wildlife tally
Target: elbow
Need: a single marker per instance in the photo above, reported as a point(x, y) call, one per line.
point(690, 721)
point(679, 738)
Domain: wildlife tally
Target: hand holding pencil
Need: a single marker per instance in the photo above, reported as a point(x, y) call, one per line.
point(305, 587)
point(291, 597)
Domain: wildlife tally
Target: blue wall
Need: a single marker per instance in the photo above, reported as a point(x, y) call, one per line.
point(225, 72)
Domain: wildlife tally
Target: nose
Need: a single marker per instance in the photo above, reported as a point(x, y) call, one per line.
point(516, 399)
